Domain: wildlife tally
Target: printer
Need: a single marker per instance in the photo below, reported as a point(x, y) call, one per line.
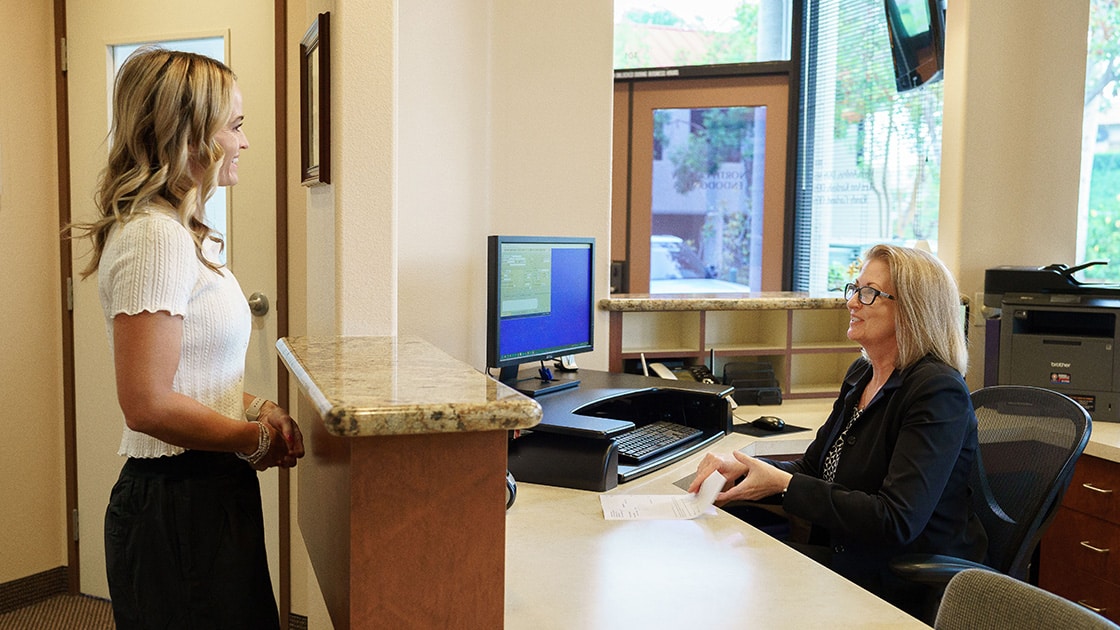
point(1058, 333)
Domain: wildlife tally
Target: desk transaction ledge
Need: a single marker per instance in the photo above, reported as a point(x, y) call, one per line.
point(376, 386)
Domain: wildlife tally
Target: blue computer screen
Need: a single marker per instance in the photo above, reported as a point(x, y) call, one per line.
point(543, 301)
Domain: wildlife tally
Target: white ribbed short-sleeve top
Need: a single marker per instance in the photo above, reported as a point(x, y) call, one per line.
point(149, 264)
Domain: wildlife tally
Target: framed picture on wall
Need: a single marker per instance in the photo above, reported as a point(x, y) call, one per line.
point(315, 102)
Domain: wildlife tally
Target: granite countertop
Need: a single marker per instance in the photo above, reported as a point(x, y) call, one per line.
point(776, 300)
point(369, 386)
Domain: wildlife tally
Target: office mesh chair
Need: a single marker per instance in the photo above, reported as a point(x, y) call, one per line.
point(1030, 439)
point(985, 600)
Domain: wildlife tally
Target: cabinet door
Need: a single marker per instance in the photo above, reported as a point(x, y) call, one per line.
point(1095, 488)
point(1085, 543)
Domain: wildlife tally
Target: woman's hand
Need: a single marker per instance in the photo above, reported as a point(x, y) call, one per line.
point(287, 440)
point(729, 467)
point(759, 479)
point(762, 480)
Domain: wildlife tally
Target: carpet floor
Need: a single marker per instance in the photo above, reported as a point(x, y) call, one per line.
point(69, 612)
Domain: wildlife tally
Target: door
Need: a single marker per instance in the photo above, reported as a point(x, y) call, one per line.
point(94, 28)
point(703, 182)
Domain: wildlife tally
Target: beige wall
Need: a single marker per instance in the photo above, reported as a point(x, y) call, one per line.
point(1014, 86)
point(31, 451)
point(502, 129)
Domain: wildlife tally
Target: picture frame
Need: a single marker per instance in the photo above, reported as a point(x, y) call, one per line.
point(315, 103)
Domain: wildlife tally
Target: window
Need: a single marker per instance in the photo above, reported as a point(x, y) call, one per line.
point(869, 156)
point(682, 33)
point(1099, 204)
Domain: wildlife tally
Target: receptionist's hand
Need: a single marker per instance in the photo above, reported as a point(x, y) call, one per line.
point(762, 480)
point(728, 466)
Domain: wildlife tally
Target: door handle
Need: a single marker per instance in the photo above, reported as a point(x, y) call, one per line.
point(1085, 544)
point(258, 304)
point(1099, 611)
point(1089, 486)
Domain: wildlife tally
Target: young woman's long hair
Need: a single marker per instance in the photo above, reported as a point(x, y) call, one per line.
point(168, 106)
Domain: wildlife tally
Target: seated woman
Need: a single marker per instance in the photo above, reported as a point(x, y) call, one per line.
point(888, 472)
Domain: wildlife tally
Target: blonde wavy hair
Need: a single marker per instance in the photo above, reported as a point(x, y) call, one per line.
point(928, 319)
point(168, 106)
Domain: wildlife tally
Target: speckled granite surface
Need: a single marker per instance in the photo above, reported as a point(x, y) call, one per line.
point(637, 302)
point(368, 386)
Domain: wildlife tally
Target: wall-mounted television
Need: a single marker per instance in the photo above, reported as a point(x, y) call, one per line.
point(540, 302)
point(917, 37)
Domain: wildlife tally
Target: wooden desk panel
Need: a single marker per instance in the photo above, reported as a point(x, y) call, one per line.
point(406, 531)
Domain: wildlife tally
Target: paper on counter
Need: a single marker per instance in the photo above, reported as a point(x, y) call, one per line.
point(633, 507)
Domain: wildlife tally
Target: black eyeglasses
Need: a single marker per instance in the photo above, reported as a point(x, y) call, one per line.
point(867, 295)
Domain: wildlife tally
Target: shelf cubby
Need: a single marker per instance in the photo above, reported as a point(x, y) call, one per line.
point(803, 338)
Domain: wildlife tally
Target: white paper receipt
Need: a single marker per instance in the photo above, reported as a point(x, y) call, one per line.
point(633, 507)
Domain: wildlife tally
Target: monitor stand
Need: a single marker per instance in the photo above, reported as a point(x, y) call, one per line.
point(534, 386)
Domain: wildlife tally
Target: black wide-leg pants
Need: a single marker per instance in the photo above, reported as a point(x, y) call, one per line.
point(184, 545)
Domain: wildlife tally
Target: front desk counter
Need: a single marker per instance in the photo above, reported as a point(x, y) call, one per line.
point(568, 567)
point(1104, 441)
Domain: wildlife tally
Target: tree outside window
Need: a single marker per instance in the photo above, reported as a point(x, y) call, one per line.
point(1099, 207)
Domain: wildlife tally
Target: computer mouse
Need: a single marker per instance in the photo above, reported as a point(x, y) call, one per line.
point(769, 423)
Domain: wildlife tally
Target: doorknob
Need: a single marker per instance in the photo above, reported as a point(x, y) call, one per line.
point(258, 304)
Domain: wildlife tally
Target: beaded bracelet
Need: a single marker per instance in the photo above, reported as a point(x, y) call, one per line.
point(263, 444)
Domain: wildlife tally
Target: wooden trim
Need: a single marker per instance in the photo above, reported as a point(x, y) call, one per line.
point(620, 169)
point(793, 120)
point(315, 102)
point(770, 90)
point(65, 268)
point(615, 344)
point(280, 78)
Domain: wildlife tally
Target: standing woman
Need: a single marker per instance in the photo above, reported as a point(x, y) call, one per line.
point(888, 471)
point(184, 532)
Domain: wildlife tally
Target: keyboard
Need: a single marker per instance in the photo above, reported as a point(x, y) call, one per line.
point(644, 442)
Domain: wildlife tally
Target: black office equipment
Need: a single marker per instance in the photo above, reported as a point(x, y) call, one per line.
point(1055, 279)
point(540, 302)
point(1059, 333)
point(769, 423)
point(643, 442)
point(754, 383)
point(575, 444)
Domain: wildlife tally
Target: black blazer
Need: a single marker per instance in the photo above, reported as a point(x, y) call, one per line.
point(901, 484)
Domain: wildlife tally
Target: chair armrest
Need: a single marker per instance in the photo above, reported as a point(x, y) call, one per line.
point(934, 569)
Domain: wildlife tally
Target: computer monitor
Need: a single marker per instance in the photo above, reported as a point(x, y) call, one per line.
point(539, 306)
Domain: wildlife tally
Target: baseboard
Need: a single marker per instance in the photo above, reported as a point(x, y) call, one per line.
point(34, 588)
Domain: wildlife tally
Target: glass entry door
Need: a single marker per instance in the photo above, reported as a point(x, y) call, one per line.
point(704, 179)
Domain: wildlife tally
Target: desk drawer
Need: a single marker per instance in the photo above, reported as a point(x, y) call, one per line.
point(1095, 488)
point(1080, 587)
point(1083, 542)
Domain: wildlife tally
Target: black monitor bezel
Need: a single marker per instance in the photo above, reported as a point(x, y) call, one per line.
point(493, 339)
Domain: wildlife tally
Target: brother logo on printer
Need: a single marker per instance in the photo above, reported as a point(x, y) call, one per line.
point(1058, 364)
